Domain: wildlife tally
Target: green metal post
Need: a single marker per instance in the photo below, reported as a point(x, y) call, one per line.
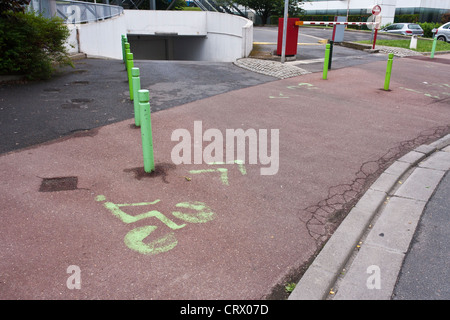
point(127, 50)
point(130, 65)
point(433, 48)
point(325, 63)
point(136, 81)
point(387, 80)
point(146, 131)
point(124, 40)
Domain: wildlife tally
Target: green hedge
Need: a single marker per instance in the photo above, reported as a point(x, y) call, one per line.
point(406, 18)
point(32, 45)
point(428, 27)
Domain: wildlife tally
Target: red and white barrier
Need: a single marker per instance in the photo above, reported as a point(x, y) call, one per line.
point(301, 23)
point(376, 25)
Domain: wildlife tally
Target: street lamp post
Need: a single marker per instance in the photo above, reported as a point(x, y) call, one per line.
point(348, 10)
point(283, 49)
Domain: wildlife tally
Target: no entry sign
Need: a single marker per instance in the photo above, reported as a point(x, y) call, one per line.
point(376, 10)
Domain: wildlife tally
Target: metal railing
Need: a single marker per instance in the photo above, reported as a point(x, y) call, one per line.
point(83, 12)
point(212, 5)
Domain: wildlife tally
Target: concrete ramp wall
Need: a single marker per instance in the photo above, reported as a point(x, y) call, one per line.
point(200, 36)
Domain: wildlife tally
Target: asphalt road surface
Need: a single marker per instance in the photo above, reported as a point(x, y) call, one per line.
point(310, 51)
point(95, 93)
point(425, 271)
point(252, 232)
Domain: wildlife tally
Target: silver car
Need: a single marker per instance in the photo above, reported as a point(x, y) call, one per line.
point(443, 32)
point(407, 29)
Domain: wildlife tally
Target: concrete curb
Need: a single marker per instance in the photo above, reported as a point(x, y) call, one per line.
point(325, 273)
point(78, 56)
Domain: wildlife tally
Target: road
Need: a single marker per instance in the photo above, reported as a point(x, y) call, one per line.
point(312, 45)
point(253, 232)
point(87, 97)
point(425, 274)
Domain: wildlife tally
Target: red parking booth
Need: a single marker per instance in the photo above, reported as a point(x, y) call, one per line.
point(291, 36)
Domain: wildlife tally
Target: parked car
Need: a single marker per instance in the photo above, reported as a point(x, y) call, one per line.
point(407, 29)
point(443, 32)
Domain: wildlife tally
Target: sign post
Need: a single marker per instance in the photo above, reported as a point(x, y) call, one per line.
point(376, 10)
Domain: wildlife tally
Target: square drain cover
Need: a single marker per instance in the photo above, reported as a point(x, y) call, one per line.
point(58, 184)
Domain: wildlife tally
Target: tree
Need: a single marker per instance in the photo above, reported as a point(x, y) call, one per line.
point(31, 45)
point(294, 8)
point(266, 8)
point(13, 5)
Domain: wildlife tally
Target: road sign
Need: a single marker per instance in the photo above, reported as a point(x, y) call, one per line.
point(374, 22)
point(376, 10)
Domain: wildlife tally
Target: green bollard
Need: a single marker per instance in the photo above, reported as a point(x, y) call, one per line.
point(433, 48)
point(330, 58)
point(136, 82)
point(387, 80)
point(146, 131)
point(325, 63)
point(124, 40)
point(127, 50)
point(130, 65)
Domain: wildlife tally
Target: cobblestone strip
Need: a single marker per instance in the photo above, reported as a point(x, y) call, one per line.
point(399, 52)
point(270, 68)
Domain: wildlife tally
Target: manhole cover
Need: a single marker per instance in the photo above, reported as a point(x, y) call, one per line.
point(79, 82)
point(52, 90)
point(58, 184)
point(80, 101)
point(80, 71)
point(76, 103)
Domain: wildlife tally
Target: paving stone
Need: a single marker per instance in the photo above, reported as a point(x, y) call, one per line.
point(360, 282)
point(399, 52)
point(421, 184)
point(398, 168)
point(439, 161)
point(395, 227)
point(271, 68)
point(426, 149)
point(412, 157)
point(385, 182)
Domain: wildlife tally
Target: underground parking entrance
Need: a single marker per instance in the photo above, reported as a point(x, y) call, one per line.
point(167, 46)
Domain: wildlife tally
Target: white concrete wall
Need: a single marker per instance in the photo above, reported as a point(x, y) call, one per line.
point(103, 39)
point(440, 4)
point(72, 42)
point(387, 6)
point(226, 37)
point(160, 21)
point(362, 4)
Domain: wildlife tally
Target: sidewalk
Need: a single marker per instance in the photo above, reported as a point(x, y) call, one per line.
point(211, 231)
point(366, 266)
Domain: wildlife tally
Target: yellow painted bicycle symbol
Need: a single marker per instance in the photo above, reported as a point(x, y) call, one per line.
point(193, 212)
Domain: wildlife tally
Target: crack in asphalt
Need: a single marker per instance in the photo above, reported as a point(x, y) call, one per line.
point(322, 218)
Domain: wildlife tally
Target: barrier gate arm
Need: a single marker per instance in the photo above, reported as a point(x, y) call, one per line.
point(376, 24)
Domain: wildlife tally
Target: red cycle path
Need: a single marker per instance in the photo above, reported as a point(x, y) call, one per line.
point(335, 137)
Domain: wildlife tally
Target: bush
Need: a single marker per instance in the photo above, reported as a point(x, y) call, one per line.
point(428, 27)
point(406, 18)
point(32, 45)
